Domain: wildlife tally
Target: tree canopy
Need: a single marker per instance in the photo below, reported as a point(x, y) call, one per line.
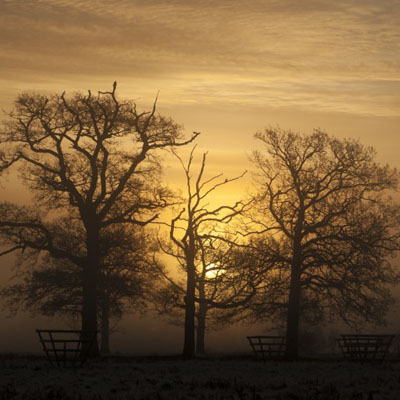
point(197, 243)
point(51, 286)
point(93, 158)
point(323, 203)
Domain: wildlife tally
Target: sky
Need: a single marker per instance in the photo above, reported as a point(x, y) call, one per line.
point(226, 68)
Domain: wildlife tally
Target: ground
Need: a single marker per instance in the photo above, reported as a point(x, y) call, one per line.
point(214, 378)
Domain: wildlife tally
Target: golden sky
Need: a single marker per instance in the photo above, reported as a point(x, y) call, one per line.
point(226, 68)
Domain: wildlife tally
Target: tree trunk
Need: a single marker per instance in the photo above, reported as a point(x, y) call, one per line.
point(189, 342)
point(201, 328)
point(89, 292)
point(105, 328)
point(293, 315)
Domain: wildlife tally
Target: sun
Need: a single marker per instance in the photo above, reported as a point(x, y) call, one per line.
point(213, 271)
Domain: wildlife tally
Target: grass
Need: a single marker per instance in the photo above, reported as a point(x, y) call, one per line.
point(31, 377)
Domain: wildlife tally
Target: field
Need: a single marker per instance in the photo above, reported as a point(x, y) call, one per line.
point(214, 378)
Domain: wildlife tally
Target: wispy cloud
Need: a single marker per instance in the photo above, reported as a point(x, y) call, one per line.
point(343, 56)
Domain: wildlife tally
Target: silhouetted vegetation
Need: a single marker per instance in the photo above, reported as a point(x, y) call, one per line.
point(323, 205)
point(200, 248)
point(91, 158)
point(51, 286)
point(313, 242)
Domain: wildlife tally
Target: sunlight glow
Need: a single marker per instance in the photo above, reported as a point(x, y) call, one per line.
point(213, 271)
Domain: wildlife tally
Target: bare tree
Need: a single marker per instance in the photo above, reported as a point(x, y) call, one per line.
point(323, 201)
point(195, 242)
point(53, 286)
point(91, 156)
point(226, 279)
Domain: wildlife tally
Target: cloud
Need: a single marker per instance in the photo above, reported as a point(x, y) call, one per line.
point(288, 53)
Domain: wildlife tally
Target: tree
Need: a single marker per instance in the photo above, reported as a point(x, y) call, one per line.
point(225, 281)
point(127, 275)
point(93, 157)
point(197, 243)
point(52, 286)
point(324, 203)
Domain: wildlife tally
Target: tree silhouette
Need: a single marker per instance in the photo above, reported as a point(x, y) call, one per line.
point(53, 286)
point(90, 156)
point(196, 243)
point(226, 279)
point(323, 203)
